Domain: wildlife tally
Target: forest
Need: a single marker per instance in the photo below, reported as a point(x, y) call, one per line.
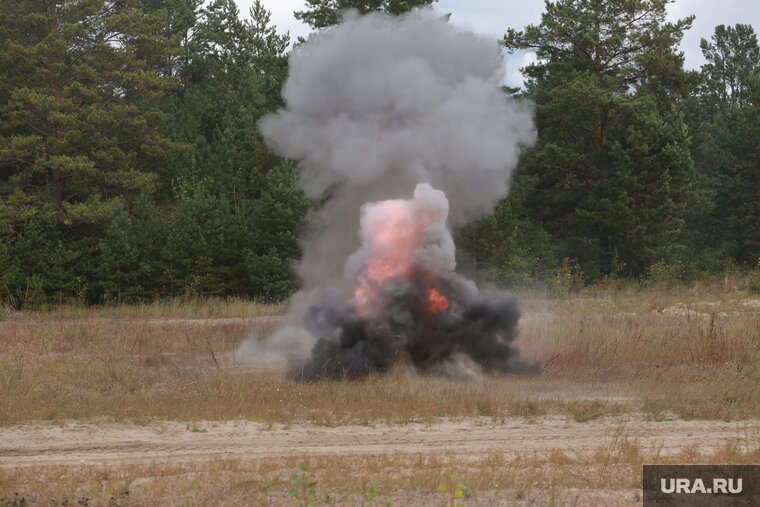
point(132, 168)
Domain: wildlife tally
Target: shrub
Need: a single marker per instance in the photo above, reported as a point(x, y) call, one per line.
point(754, 279)
point(566, 279)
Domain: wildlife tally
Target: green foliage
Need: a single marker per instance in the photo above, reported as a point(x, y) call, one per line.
point(37, 263)
point(754, 278)
point(303, 487)
point(725, 119)
point(238, 211)
point(732, 57)
point(368, 496)
point(81, 113)
point(456, 488)
point(133, 169)
point(80, 134)
point(507, 247)
point(663, 274)
point(324, 13)
point(128, 261)
point(564, 280)
point(612, 174)
point(131, 166)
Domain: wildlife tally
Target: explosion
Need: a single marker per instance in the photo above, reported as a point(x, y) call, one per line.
point(409, 304)
point(392, 231)
point(375, 107)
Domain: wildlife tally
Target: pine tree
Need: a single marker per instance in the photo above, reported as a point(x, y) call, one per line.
point(238, 207)
point(733, 64)
point(324, 13)
point(726, 120)
point(89, 113)
point(81, 111)
point(612, 172)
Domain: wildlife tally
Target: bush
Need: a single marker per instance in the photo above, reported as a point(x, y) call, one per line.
point(506, 248)
point(566, 279)
point(665, 274)
point(754, 279)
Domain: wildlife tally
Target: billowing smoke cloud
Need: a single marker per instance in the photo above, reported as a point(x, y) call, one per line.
point(408, 303)
point(374, 107)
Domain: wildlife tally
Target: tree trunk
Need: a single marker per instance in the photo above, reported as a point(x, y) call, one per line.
point(601, 122)
point(56, 89)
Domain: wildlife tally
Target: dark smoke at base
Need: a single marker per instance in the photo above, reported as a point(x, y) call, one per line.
point(481, 326)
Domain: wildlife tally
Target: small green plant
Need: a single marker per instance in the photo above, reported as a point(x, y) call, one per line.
point(730, 399)
point(457, 489)
point(194, 428)
point(303, 487)
point(754, 279)
point(368, 496)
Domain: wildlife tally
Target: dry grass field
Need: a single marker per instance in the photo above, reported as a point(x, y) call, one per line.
point(144, 406)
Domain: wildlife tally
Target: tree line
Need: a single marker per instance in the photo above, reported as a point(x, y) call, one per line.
point(131, 167)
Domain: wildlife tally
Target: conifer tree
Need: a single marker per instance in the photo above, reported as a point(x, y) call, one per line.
point(725, 118)
point(81, 110)
point(612, 171)
point(324, 13)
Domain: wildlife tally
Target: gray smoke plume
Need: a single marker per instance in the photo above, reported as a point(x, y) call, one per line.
point(374, 107)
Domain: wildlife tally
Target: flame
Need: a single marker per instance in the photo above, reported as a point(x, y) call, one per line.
point(398, 247)
point(391, 231)
point(437, 302)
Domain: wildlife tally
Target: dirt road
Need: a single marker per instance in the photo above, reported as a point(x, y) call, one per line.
point(76, 443)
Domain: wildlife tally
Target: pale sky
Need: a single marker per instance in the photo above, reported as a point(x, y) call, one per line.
point(493, 17)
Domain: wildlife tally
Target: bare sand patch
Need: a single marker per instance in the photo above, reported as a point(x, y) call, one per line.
point(77, 442)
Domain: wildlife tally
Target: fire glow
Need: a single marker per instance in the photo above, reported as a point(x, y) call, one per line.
point(437, 302)
point(409, 304)
point(391, 233)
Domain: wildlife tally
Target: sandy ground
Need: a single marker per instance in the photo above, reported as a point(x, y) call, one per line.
point(76, 443)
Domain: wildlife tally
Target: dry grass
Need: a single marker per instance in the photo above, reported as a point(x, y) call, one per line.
point(184, 307)
point(667, 353)
point(605, 353)
point(609, 474)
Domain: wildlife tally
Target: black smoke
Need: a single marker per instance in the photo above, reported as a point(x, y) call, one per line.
point(480, 325)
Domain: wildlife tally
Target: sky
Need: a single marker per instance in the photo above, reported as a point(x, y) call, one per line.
point(493, 17)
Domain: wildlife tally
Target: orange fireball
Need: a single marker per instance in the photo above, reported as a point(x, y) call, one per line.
point(437, 302)
point(391, 232)
point(394, 233)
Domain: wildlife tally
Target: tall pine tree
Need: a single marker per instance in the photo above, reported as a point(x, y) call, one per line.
point(611, 175)
point(234, 230)
point(726, 121)
point(81, 108)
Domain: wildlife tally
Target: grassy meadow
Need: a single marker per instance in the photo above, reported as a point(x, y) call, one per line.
point(648, 353)
point(689, 352)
